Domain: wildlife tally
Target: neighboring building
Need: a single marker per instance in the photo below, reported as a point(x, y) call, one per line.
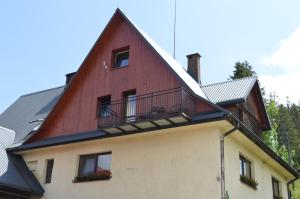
point(133, 123)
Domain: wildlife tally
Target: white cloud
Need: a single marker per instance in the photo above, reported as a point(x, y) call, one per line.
point(287, 85)
point(287, 56)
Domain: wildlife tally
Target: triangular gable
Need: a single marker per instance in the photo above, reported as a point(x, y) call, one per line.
point(178, 72)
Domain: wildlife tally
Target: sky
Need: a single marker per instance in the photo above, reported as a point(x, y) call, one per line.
point(41, 41)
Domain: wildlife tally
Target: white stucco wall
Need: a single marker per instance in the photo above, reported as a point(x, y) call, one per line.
point(173, 163)
point(262, 168)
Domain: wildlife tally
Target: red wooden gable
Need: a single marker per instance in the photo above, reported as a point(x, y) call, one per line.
point(147, 72)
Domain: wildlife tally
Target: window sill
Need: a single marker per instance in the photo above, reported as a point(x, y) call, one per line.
point(116, 68)
point(90, 179)
point(249, 182)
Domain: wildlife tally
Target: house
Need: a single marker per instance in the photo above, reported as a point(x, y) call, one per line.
point(131, 122)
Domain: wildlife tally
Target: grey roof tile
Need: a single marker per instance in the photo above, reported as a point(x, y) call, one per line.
point(228, 91)
point(30, 107)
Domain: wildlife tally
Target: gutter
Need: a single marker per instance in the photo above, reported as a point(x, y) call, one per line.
point(222, 155)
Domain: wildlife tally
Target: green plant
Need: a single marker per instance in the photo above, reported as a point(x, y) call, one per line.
point(277, 197)
point(100, 175)
point(249, 181)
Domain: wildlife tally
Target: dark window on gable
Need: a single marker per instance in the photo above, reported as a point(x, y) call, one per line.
point(245, 167)
point(104, 106)
point(121, 58)
point(94, 167)
point(49, 169)
point(276, 188)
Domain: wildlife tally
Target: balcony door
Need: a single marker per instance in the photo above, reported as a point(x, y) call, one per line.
point(130, 106)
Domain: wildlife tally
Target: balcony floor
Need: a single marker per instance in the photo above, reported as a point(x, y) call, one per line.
point(149, 124)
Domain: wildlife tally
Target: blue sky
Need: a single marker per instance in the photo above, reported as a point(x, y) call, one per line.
point(41, 41)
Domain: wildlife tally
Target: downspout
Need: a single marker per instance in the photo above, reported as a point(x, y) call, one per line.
point(223, 194)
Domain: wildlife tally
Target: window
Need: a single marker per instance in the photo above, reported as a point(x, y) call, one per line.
point(121, 57)
point(276, 188)
point(245, 167)
point(49, 170)
point(104, 106)
point(32, 166)
point(246, 174)
point(130, 106)
point(94, 167)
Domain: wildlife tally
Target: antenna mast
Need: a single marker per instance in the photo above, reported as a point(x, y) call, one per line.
point(174, 36)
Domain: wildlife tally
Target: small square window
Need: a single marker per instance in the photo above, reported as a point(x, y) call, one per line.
point(94, 167)
point(32, 166)
point(121, 58)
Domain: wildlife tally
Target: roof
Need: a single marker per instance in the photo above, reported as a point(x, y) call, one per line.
point(18, 176)
point(30, 107)
point(233, 90)
point(174, 65)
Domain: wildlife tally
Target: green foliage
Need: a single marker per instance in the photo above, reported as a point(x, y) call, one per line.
point(283, 129)
point(296, 191)
point(271, 137)
point(242, 69)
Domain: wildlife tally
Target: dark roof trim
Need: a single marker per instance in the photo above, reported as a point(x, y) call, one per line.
point(93, 135)
point(258, 141)
point(230, 102)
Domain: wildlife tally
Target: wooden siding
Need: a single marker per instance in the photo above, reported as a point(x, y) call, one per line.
point(146, 73)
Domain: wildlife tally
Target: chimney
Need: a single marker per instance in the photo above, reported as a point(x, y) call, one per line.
point(69, 77)
point(193, 67)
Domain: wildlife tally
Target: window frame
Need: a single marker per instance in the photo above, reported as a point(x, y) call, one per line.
point(81, 178)
point(277, 182)
point(130, 99)
point(100, 103)
point(244, 160)
point(49, 170)
point(117, 52)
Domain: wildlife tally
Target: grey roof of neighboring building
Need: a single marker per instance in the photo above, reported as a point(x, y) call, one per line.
point(19, 177)
point(233, 90)
point(30, 107)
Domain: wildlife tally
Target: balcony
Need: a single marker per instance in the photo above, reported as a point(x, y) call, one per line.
point(248, 119)
point(150, 111)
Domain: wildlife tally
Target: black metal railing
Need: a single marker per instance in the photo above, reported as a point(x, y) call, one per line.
point(248, 119)
point(150, 106)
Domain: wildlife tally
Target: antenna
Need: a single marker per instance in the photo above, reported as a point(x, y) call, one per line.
point(174, 41)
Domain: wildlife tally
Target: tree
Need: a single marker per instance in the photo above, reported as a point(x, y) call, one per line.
point(242, 69)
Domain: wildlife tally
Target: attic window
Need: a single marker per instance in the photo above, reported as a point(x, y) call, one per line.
point(121, 57)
